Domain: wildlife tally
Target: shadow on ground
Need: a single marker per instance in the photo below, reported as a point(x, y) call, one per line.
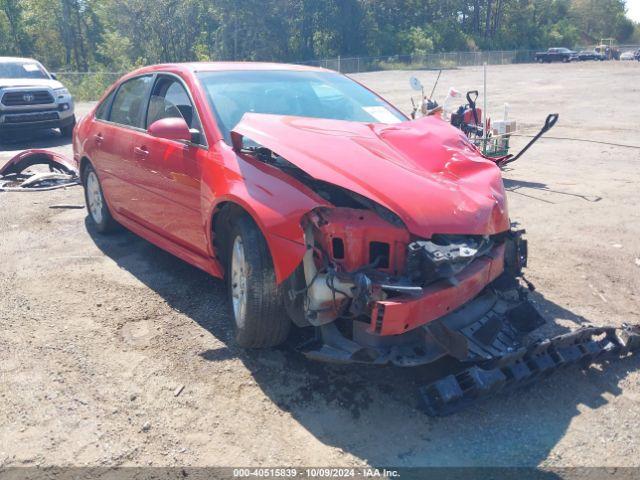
point(371, 412)
point(528, 189)
point(38, 139)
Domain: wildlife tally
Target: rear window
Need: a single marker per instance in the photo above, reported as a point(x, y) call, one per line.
point(129, 103)
point(102, 112)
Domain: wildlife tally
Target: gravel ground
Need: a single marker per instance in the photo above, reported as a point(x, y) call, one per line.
point(99, 333)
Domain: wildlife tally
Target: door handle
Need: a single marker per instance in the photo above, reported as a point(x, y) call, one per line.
point(141, 151)
point(98, 138)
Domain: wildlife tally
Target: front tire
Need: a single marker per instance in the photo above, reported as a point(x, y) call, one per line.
point(67, 131)
point(257, 302)
point(97, 207)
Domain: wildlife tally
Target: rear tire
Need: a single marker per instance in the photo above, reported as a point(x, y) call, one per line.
point(97, 207)
point(256, 301)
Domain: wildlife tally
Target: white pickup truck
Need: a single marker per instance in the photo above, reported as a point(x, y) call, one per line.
point(31, 98)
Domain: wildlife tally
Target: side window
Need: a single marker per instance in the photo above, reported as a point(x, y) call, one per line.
point(169, 99)
point(130, 102)
point(103, 109)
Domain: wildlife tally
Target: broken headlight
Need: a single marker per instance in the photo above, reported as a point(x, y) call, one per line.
point(444, 256)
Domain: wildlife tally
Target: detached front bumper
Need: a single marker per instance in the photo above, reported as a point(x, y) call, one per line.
point(522, 366)
point(487, 344)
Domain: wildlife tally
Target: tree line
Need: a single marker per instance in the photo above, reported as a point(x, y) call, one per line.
point(116, 35)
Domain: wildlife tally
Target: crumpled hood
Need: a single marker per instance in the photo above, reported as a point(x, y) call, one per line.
point(426, 171)
point(29, 82)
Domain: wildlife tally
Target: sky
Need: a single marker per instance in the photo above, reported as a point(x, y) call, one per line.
point(633, 10)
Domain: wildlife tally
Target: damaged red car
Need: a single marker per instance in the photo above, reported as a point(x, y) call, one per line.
point(324, 206)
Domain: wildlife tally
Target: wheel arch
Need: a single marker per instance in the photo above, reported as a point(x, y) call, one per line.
point(84, 161)
point(286, 251)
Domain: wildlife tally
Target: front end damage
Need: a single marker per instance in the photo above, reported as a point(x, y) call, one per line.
point(416, 262)
point(378, 296)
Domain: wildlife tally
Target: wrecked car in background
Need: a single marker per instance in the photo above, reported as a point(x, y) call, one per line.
point(324, 206)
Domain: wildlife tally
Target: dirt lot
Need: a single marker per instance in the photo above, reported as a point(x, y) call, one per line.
point(99, 332)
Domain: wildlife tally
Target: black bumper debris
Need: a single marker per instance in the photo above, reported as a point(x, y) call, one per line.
point(512, 370)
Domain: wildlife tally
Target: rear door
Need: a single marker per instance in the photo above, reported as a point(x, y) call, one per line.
point(105, 153)
point(170, 171)
point(111, 139)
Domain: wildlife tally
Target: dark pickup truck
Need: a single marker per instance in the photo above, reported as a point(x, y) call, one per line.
point(556, 55)
point(591, 55)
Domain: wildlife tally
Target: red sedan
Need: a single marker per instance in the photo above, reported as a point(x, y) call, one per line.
point(321, 204)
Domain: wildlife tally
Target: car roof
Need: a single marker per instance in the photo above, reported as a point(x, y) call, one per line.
point(215, 66)
point(228, 66)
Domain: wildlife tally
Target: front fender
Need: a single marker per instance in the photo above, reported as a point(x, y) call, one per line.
point(274, 200)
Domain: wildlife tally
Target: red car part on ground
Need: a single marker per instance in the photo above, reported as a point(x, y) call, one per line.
point(37, 170)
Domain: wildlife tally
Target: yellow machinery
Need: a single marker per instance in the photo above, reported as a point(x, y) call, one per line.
point(608, 49)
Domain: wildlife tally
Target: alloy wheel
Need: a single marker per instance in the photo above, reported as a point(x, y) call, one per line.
point(239, 281)
point(94, 197)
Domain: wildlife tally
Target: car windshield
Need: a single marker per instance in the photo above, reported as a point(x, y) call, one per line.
point(22, 70)
point(329, 95)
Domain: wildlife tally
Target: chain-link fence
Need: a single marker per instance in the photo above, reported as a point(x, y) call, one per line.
point(434, 60)
point(419, 62)
point(86, 86)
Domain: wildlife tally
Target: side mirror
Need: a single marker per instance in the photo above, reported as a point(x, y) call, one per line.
point(171, 129)
point(196, 136)
point(54, 76)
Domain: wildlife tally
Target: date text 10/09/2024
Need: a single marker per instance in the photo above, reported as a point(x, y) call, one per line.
point(367, 472)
